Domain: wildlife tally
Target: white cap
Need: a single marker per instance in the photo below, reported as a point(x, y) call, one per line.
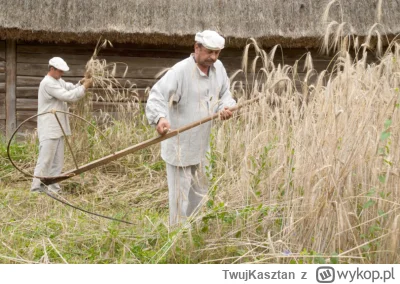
point(59, 63)
point(210, 39)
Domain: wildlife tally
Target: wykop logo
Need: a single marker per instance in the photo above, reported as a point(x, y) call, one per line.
point(325, 274)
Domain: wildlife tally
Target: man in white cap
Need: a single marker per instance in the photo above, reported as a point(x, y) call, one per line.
point(192, 89)
point(54, 93)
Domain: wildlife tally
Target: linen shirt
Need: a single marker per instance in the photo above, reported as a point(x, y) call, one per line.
point(184, 95)
point(54, 94)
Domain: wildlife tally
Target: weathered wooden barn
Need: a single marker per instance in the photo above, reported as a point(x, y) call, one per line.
point(152, 35)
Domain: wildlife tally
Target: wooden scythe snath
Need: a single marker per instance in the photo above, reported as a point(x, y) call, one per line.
point(112, 157)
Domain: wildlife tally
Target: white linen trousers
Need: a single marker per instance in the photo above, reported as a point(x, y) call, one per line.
point(188, 188)
point(49, 163)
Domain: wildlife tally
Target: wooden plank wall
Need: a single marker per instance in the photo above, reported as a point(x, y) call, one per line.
point(143, 62)
point(11, 85)
point(2, 87)
point(32, 65)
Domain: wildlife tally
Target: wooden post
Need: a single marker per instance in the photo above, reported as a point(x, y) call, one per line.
point(11, 83)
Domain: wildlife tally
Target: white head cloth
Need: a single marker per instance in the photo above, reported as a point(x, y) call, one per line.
point(210, 39)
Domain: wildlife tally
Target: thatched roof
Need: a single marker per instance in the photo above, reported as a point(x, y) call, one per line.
point(289, 22)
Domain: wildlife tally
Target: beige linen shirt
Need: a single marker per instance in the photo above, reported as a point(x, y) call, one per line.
point(184, 95)
point(54, 94)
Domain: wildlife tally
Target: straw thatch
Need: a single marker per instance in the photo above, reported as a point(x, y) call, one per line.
point(289, 22)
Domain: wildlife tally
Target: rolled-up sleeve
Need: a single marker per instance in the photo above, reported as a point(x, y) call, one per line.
point(157, 103)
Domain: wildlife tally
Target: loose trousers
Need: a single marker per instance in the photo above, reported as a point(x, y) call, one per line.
point(187, 188)
point(49, 163)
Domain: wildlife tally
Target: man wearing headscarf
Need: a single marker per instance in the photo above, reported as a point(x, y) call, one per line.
point(192, 89)
point(54, 93)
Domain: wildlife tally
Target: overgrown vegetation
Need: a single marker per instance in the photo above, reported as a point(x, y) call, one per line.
point(310, 174)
